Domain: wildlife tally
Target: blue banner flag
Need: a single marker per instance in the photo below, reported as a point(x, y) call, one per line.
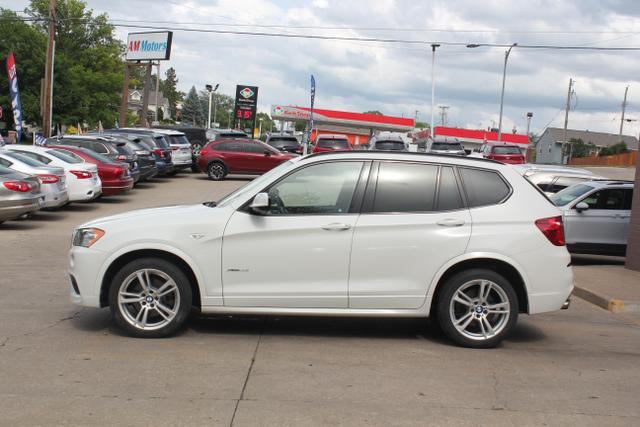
point(14, 95)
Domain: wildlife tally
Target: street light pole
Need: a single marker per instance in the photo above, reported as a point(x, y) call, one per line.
point(504, 77)
point(211, 90)
point(433, 84)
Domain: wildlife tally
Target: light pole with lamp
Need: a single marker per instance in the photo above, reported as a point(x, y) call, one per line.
point(433, 85)
point(504, 77)
point(211, 90)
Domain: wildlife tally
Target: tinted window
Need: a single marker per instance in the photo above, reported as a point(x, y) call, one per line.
point(506, 150)
point(24, 159)
point(483, 187)
point(99, 148)
point(611, 199)
point(333, 143)
point(449, 197)
point(325, 188)
point(449, 146)
point(283, 141)
point(405, 187)
point(161, 142)
point(628, 199)
point(390, 145)
point(251, 147)
point(5, 162)
point(64, 156)
point(568, 195)
point(229, 146)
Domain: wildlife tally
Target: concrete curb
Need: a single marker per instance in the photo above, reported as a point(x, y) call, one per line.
point(614, 305)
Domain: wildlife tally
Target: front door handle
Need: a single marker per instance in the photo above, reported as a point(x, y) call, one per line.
point(336, 226)
point(450, 222)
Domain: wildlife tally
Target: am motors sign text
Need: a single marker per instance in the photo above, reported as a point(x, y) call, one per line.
point(149, 46)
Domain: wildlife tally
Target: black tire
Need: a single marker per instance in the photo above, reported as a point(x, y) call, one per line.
point(216, 171)
point(477, 334)
point(194, 167)
point(181, 297)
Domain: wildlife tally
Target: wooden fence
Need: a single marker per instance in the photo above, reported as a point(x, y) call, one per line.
point(627, 159)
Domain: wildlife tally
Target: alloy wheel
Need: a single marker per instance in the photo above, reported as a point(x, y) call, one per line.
point(479, 309)
point(216, 171)
point(148, 299)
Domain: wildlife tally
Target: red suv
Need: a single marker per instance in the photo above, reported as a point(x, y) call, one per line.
point(239, 156)
point(115, 176)
point(329, 142)
point(503, 153)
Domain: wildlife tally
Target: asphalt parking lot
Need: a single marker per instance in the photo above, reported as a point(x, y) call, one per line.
point(60, 364)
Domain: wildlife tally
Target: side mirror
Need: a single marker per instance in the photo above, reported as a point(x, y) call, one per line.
point(260, 203)
point(582, 206)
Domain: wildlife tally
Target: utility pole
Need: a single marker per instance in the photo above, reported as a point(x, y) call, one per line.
point(157, 90)
point(415, 119)
point(443, 114)
point(433, 85)
point(566, 119)
point(145, 101)
point(47, 110)
point(624, 107)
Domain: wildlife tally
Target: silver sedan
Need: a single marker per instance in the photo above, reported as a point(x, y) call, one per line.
point(19, 194)
point(52, 179)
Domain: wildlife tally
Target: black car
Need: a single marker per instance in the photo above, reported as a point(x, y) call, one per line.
point(156, 142)
point(146, 158)
point(284, 142)
point(114, 148)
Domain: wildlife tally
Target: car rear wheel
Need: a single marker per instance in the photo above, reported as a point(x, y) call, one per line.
point(150, 298)
point(477, 308)
point(216, 171)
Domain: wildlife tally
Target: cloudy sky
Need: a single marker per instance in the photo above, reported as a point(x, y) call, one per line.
point(396, 78)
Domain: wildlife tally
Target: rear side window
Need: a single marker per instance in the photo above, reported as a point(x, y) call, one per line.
point(483, 187)
point(564, 182)
point(405, 187)
point(449, 197)
point(99, 148)
point(35, 156)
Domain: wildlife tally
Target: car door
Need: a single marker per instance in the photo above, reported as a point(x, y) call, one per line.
point(603, 224)
point(295, 254)
point(255, 160)
point(232, 153)
point(413, 221)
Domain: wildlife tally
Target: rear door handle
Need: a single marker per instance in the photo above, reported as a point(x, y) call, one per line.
point(336, 226)
point(450, 222)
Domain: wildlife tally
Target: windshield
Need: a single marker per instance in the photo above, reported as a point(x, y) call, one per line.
point(65, 156)
point(390, 145)
point(178, 139)
point(333, 143)
point(506, 150)
point(252, 185)
point(569, 194)
point(24, 159)
point(447, 146)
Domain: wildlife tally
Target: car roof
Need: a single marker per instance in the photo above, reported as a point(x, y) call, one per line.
point(169, 132)
point(331, 136)
point(608, 183)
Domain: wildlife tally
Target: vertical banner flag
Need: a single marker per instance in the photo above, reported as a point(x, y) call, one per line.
point(15, 95)
point(313, 97)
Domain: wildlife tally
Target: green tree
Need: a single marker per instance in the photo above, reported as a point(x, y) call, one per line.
point(88, 69)
point(618, 148)
point(580, 149)
point(192, 108)
point(220, 106)
point(28, 46)
point(376, 112)
point(169, 87)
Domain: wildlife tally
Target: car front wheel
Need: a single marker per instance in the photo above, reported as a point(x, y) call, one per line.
point(477, 308)
point(150, 298)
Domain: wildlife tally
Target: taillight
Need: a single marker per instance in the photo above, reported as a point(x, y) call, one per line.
point(553, 229)
point(48, 179)
point(121, 157)
point(81, 174)
point(20, 186)
point(175, 148)
point(159, 152)
point(204, 152)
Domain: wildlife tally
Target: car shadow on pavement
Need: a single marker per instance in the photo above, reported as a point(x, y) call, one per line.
point(80, 207)
point(19, 226)
point(111, 200)
point(596, 260)
point(57, 215)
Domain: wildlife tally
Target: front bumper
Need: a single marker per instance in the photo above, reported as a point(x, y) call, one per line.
point(84, 282)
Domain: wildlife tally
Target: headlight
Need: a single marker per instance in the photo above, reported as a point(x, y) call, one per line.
point(87, 236)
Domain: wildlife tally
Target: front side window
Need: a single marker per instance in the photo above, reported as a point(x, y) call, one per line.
point(568, 195)
point(405, 187)
point(610, 199)
point(325, 188)
point(483, 187)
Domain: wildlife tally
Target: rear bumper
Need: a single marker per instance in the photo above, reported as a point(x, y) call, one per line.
point(165, 168)
point(115, 188)
point(148, 172)
point(85, 192)
point(18, 208)
point(55, 199)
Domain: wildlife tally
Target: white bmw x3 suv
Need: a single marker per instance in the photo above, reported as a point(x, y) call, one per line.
point(469, 242)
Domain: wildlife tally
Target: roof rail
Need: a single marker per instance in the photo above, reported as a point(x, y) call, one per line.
point(412, 153)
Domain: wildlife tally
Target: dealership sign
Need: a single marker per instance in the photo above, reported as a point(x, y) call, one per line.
point(246, 102)
point(149, 46)
point(14, 94)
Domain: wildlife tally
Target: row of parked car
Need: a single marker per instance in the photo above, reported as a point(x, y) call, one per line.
point(81, 168)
